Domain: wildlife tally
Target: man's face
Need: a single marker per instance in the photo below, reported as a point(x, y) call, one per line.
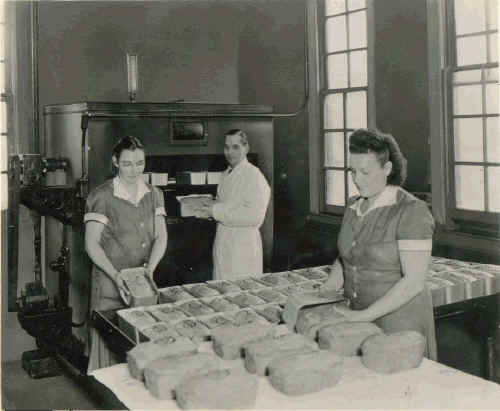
point(234, 150)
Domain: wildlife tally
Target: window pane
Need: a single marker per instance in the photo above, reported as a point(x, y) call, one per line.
point(334, 111)
point(492, 14)
point(337, 70)
point(336, 34)
point(351, 187)
point(356, 4)
point(469, 186)
point(334, 7)
point(357, 29)
point(467, 100)
point(466, 76)
point(494, 189)
point(492, 139)
point(356, 110)
point(493, 39)
point(469, 139)
point(469, 16)
point(334, 149)
point(492, 98)
point(471, 50)
point(335, 187)
point(358, 67)
point(348, 137)
point(492, 74)
point(2, 77)
point(3, 153)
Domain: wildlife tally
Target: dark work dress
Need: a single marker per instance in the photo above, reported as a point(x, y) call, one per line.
point(127, 240)
point(369, 244)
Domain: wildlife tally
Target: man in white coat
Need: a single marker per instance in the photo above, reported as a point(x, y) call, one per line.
point(239, 209)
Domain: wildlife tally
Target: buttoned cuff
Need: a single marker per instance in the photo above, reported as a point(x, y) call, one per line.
point(415, 245)
point(101, 218)
point(160, 211)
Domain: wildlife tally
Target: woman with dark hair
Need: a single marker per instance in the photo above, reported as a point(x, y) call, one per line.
point(124, 228)
point(385, 243)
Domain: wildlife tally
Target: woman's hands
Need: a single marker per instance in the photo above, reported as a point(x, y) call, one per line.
point(354, 315)
point(335, 280)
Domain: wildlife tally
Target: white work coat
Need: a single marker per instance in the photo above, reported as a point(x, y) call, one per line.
point(242, 198)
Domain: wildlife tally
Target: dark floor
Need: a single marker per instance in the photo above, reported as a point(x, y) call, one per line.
point(20, 392)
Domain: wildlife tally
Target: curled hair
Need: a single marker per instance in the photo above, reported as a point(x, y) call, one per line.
point(126, 143)
point(385, 148)
point(238, 132)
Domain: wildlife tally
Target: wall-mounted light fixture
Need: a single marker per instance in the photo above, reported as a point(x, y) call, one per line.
point(132, 75)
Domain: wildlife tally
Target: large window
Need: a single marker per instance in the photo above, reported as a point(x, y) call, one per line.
point(344, 58)
point(472, 111)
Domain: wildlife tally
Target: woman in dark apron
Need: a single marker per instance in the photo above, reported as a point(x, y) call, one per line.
point(385, 243)
point(124, 228)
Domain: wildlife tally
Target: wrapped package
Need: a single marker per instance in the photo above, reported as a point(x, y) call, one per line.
point(270, 295)
point(216, 390)
point(271, 312)
point(143, 354)
point(310, 320)
point(314, 273)
point(248, 284)
point(193, 329)
point(221, 304)
point(247, 316)
point(244, 300)
point(141, 289)
point(345, 338)
point(201, 290)
point(164, 375)
point(228, 341)
point(298, 374)
point(224, 286)
point(168, 313)
point(394, 352)
point(191, 205)
point(275, 279)
point(216, 320)
point(259, 354)
point(195, 308)
point(131, 320)
point(174, 294)
point(157, 331)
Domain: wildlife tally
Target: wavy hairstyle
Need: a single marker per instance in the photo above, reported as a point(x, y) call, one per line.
point(385, 148)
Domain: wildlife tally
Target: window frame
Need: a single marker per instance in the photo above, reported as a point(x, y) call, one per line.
point(319, 91)
point(464, 219)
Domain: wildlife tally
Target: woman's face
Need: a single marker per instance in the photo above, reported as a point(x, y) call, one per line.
point(130, 165)
point(234, 150)
point(368, 175)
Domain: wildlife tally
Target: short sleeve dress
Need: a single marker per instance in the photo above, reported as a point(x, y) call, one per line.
point(127, 240)
point(369, 244)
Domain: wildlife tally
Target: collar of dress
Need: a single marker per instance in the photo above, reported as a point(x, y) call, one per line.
point(386, 198)
point(120, 191)
point(242, 162)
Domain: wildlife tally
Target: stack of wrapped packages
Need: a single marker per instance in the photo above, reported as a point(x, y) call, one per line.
point(241, 321)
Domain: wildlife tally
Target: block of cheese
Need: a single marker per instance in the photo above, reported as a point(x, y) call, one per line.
point(162, 376)
point(142, 354)
point(247, 316)
point(157, 331)
point(224, 286)
point(244, 300)
point(220, 304)
point(310, 320)
point(271, 312)
point(168, 313)
point(131, 320)
point(270, 295)
point(394, 352)
point(195, 308)
point(173, 294)
point(216, 390)
point(216, 320)
point(345, 338)
point(304, 373)
point(201, 290)
point(248, 284)
point(194, 329)
point(142, 291)
point(258, 354)
point(228, 341)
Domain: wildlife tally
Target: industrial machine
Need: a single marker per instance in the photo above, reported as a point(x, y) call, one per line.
point(75, 158)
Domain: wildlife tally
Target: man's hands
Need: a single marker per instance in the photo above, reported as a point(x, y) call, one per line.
point(206, 209)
